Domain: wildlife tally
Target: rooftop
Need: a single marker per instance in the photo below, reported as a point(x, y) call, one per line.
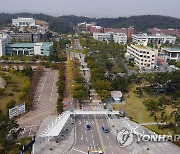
point(172, 49)
point(156, 35)
point(144, 47)
point(116, 94)
point(29, 45)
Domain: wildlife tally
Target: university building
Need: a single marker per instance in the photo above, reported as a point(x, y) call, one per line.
point(144, 39)
point(171, 54)
point(22, 22)
point(120, 38)
point(4, 40)
point(144, 57)
point(42, 49)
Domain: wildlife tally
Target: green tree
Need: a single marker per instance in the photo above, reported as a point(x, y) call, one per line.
point(151, 104)
point(80, 92)
point(7, 125)
point(2, 90)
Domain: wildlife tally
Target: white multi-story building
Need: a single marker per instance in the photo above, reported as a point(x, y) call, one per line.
point(4, 40)
point(171, 53)
point(103, 36)
point(22, 22)
point(120, 38)
point(144, 39)
point(144, 57)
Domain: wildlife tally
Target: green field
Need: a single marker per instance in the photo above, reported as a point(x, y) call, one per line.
point(15, 149)
point(16, 82)
point(84, 51)
point(135, 108)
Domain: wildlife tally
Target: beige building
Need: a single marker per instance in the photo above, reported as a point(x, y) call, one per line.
point(144, 57)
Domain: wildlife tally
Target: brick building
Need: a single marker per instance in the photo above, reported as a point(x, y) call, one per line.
point(128, 31)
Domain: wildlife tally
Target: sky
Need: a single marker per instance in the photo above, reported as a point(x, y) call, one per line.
point(93, 8)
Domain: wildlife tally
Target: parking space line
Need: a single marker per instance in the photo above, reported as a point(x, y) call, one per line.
point(43, 87)
point(52, 90)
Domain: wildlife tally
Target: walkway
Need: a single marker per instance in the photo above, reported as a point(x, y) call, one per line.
point(2, 82)
point(67, 94)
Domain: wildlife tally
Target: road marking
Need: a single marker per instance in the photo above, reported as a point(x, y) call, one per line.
point(107, 137)
point(52, 90)
point(86, 139)
point(99, 133)
point(92, 122)
point(79, 122)
point(79, 151)
point(94, 145)
point(110, 144)
point(82, 137)
point(42, 87)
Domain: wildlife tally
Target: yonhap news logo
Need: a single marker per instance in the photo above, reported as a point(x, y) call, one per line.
point(125, 137)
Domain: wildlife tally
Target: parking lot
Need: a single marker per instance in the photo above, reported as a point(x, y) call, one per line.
point(44, 104)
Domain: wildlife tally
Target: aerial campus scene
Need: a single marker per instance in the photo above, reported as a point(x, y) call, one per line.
point(89, 77)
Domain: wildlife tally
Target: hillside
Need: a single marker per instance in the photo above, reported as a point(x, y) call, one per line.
point(55, 24)
point(142, 23)
point(64, 24)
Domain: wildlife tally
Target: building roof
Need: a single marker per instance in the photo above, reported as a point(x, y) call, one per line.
point(116, 95)
point(28, 45)
point(145, 35)
point(144, 48)
point(172, 49)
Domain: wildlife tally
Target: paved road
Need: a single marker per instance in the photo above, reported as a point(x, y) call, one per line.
point(44, 104)
point(94, 139)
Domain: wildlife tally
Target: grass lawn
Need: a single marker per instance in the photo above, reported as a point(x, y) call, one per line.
point(159, 130)
point(16, 148)
point(135, 108)
point(16, 82)
point(79, 51)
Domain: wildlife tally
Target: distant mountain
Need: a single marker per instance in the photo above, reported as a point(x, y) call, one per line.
point(64, 24)
point(142, 23)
